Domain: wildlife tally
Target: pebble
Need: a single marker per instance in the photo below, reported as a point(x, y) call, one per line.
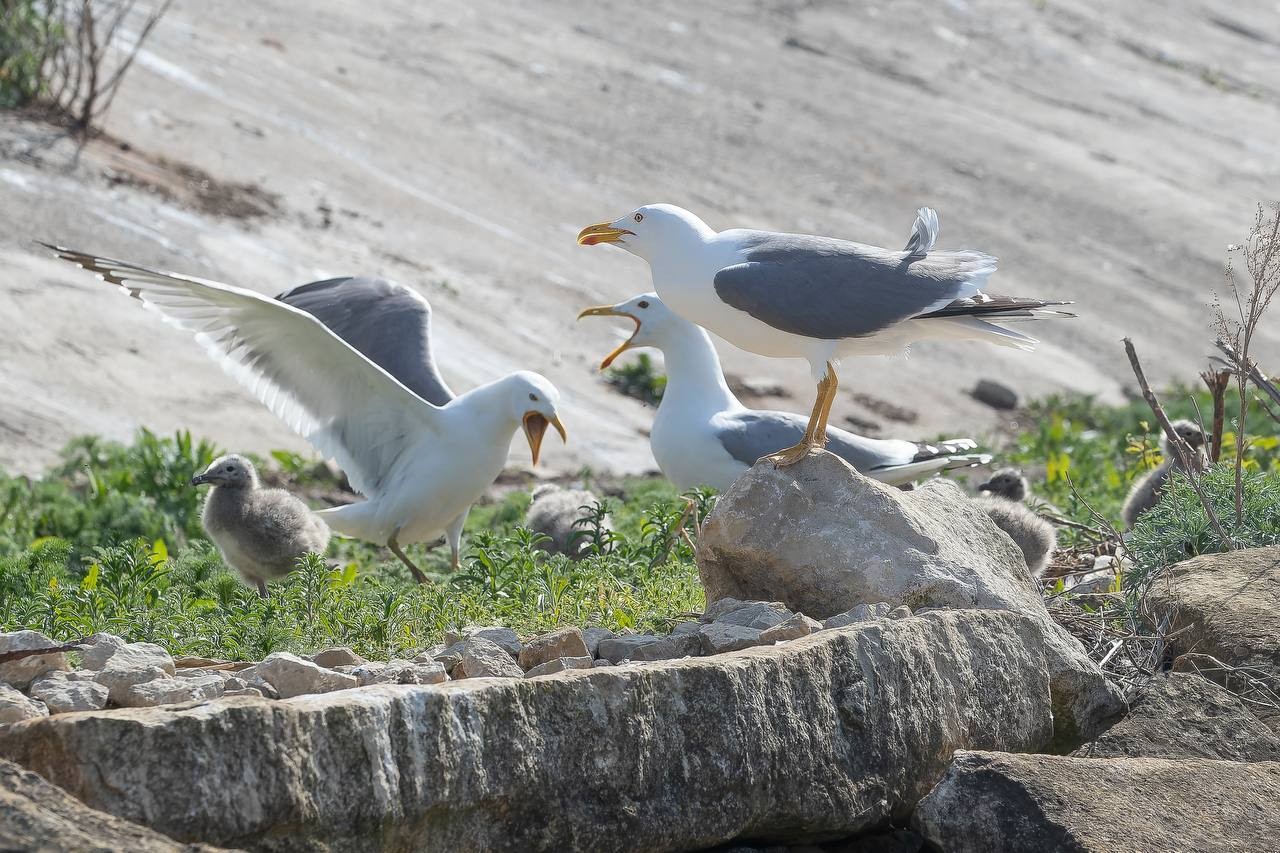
point(721, 637)
point(169, 691)
point(484, 658)
point(15, 707)
point(561, 643)
point(504, 637)
point(792, 629)
point(62, 694)
point(335, 657)
point(560, 665)
point(21, 672)
point(293, 676)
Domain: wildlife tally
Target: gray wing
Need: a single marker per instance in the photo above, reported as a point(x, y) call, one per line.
point(388, 323)
point(824, 288)
point(751, 434)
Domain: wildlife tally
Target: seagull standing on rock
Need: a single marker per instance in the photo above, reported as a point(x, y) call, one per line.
point(260, 532)
point(703, 436)
point(817, 298)
point(419, 465)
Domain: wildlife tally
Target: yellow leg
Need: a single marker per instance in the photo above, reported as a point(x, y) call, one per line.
point(815, 434)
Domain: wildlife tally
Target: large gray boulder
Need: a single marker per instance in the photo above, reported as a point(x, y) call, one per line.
point(821, 737)
point(822, 539)
point(1187, 716)
point(1226, 606)
point(37, 816)
point(999, 803)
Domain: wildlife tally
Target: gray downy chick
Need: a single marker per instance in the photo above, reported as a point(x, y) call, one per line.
point(554, 511)
point(1149, 488)
point(260, 532)
point(1002, 501)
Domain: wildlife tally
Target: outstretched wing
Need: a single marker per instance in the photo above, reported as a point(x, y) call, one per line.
point(830, 289)
point(324, 389)
point(389, 323)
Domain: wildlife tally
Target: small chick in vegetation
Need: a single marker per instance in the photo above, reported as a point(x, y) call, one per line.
point(260, 532)
point(1003, 503)
point(561, 515)
point(1148, 490)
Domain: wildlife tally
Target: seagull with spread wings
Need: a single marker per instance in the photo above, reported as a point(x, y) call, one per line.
point(817, 298)
point(420, 465)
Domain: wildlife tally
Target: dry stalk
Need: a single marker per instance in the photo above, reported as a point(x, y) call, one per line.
point(1191, 462)
point(1217, 381)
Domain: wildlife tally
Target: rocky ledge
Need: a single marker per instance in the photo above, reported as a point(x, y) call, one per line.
point(820, 737)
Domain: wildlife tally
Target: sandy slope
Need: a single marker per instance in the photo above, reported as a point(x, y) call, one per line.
point(1106, 152)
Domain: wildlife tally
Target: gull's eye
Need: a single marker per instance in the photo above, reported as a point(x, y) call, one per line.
point(643, 303)
point(533, 397)
point(639, 217)
point(230, 468)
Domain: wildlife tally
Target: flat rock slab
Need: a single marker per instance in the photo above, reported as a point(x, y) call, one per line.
point(1187, 716)
point(37, 816)
point(1000, 803)
point(822, 737)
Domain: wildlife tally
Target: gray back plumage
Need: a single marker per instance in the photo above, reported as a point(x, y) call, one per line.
point(388, 323)
point(830, 289)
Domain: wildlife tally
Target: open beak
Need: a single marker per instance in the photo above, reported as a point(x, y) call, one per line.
point(535, 427)
point(610, 311)
point(602, 233)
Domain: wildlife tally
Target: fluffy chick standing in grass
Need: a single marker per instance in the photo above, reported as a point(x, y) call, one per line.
point(260, 532)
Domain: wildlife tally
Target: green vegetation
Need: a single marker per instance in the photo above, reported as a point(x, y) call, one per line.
point(638, 379)
point(110, 540)
point(27, 37)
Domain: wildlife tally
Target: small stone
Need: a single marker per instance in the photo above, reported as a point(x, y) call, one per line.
point(503, 637)
point(793, 629)
point(244, 691)
point(14, 707)
point(995, 394)
point(594, 636)
point(722, 607)
point(562, 643)
point(623, 648)
point(169, 691)
point(861, 613)
point(670, 648)
point(686, 628)
point(200, 673)
point(253, 678)
point(62, 694)
point(721, 637)
point(367, 673)
point(21, 672)
point(235, 682)
point(97, 649)
point(118, 680)
point(756, 614)
point(452, 656)
point(293, 676)
point(486, 659)
point(429, 655)
point(560, 665)
point(902, 611)
point(603, 662)
point(335, 657)
point(408, 672)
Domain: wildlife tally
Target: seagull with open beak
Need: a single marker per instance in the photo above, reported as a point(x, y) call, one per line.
point(703, 436)
point(420, 466)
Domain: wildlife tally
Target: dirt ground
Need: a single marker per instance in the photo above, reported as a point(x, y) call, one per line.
point(1105, 152)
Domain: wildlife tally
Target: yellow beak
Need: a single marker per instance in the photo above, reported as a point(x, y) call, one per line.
point(535, 426)
point(602, 233)
point(610, 311)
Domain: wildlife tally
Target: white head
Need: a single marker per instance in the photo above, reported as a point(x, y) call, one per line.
point(533, 403)
point(649, 230)
point(233, 470)
point(656, 324)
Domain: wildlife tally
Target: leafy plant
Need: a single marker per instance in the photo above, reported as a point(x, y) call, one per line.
point(638, 379)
